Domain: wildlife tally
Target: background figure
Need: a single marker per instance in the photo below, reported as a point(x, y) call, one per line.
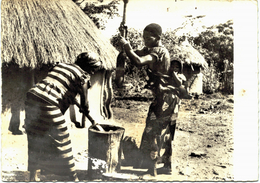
point(15, 121)
point(15, 83)
point(49, 144)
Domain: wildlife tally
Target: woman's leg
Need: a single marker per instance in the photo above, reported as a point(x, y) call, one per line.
point(149, 147)
point(32, 167)
point(167, 134)
point(49, 144)
point(31, 113)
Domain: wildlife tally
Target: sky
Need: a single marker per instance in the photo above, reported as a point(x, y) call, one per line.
point(170, 14)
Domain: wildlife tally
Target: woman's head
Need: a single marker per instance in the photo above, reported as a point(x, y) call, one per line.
point(152, 35)
point(89, 62)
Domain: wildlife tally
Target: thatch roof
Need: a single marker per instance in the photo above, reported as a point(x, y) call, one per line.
point(189, 55)
point(36, 32)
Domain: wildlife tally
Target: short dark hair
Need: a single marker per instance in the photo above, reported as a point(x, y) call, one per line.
point(176, 60)
point(88, 62)
point(155, 29)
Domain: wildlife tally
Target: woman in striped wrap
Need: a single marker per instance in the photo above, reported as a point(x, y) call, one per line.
point(49, 144)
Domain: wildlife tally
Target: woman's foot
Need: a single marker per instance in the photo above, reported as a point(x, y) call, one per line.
point(152, 171)
point(74, 177)
point(34, 177)
point(151, 164)
point(166, 169)
point(16, 132)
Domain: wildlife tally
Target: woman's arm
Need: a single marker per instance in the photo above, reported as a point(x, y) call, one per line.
point(138, 60)
point(85, 105)
point(134, 55)
point(84, 98)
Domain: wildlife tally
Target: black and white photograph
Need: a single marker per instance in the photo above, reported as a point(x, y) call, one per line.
point(129, 90)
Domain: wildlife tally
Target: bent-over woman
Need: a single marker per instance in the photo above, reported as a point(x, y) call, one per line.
point(49, 144)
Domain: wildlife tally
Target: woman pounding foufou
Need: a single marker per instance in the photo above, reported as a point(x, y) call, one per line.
point(49, 143)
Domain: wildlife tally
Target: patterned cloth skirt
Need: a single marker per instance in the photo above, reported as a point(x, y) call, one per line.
point(49, 144)
point(159, 130)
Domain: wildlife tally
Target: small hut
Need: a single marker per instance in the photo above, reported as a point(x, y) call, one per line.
point(194, 63)
point(36, 33)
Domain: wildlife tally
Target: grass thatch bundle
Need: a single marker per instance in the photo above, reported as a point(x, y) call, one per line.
point(189, 55)
point(36, 32)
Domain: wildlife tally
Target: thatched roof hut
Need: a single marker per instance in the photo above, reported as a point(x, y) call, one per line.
point(189, 55)
point(36, 32)
point(193, 61)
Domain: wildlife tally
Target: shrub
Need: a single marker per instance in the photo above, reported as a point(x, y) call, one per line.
point(216, 45)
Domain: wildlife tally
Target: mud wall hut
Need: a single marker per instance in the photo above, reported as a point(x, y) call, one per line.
point(38, 33)
point(194, 63)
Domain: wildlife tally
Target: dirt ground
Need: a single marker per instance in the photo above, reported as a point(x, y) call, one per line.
point(202, 149)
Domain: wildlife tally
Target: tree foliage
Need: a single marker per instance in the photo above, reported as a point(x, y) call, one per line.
point(99, 12)
point(216, 44)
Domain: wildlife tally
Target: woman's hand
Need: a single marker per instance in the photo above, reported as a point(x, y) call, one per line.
point(77, 124)
point(122, 41)
point(153, 154)
point(85, 108)
point(125, 46)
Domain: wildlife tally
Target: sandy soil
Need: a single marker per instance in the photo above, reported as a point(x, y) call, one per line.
point(202, 150)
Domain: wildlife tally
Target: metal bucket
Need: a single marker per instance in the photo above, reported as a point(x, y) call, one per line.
point(104, 150)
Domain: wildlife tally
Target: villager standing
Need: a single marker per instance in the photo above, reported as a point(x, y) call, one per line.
point(162, 115)
point(49, 144)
